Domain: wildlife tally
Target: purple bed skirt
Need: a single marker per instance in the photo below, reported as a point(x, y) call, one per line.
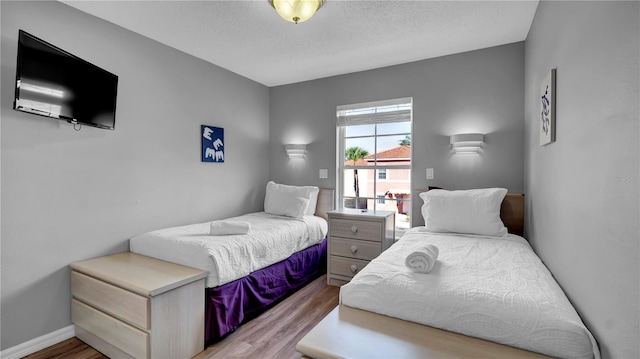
point(237, 302)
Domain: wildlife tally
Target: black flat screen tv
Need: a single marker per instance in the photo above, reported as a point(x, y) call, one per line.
point(54, 83)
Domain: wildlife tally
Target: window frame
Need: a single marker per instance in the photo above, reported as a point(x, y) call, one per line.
point(341, 140)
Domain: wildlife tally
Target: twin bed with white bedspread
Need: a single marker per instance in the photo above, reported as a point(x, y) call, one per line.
point(271, 239)
point(485, 283)
point(493, 288)
point(262, 258)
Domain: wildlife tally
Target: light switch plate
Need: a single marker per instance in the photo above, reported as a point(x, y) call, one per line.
point(324, 173)
point(429, 173)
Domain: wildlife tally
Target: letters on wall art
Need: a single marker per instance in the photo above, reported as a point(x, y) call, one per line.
point(212, 143)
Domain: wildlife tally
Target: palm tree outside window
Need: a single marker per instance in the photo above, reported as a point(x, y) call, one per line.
point(354, 154)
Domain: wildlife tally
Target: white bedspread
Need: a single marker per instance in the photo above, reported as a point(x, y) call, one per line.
point(227, 258)
point(491, 288)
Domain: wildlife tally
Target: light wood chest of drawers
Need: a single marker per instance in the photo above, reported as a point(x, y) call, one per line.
point(132, 306)
point(355, 238)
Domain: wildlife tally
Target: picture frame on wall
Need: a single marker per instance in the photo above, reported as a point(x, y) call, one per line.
point(548, 109)
point(212, 139)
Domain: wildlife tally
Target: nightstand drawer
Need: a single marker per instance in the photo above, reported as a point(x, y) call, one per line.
point(118, 302)
point(348, 228)
point(114, 332)
point(354, 248)
point(347, 267)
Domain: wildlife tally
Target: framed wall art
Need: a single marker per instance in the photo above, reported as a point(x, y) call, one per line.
point(212, 143)
point(548, 109)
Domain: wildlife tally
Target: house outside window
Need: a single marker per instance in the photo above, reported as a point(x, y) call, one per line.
point(374, 157)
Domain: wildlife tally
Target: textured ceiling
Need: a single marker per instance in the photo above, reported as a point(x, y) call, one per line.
point(249, 38)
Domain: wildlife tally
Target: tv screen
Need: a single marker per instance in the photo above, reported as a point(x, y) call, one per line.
point(54, 83)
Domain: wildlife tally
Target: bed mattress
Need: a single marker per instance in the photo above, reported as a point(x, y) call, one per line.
point(492, 288)
point(227, 258)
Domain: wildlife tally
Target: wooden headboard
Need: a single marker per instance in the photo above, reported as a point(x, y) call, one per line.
point(511, 211)
point(325, 202)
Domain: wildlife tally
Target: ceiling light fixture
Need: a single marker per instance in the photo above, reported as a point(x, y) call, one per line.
point(296, 11)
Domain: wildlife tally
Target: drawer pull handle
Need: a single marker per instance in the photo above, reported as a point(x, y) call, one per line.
point(354, 249)
point(354, 268)
point(354, 229)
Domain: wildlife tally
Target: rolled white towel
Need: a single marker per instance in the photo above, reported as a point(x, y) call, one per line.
point(224, 228)
point(422, 259)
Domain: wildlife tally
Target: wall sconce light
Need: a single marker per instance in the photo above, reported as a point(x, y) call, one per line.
point(467, 142)
point(296, 151)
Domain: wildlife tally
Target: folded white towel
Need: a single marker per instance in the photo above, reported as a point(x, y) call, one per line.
point(224, 228)
point(423, 258)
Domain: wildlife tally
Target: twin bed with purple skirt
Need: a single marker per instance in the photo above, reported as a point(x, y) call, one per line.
point(234, 303)
point(248, 273)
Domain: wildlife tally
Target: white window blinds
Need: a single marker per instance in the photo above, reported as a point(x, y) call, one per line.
point(396, 110)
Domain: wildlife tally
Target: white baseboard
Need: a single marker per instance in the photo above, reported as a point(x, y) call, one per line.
point(39, 343)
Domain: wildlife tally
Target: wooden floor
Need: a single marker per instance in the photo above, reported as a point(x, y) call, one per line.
point(274, 334)
point(70, 348)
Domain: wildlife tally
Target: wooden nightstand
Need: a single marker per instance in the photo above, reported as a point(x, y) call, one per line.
point(355, 238)
point(132, 306)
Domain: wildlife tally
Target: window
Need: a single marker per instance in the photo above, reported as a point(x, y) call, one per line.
point(374, 156)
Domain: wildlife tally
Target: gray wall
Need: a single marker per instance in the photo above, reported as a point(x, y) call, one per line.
point(479, 91)
point(69, 196)
point(583, 189)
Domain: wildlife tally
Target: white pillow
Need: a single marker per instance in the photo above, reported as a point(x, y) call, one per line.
point(313, 200)
point(475, 211)
point(280, 197)
point(292, 207)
